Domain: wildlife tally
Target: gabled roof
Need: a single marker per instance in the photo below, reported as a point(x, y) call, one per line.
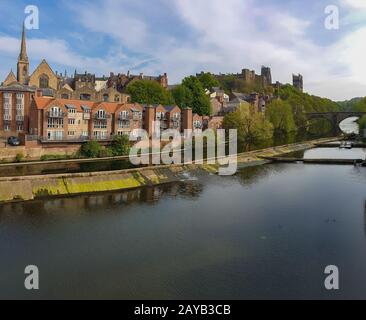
point(44, 103)
point(10, 79)
point(67, 87)
point(43, 62)
point(170, 108)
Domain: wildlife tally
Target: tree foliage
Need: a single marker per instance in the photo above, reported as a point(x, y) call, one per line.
point(91, 149)
point(362, 123)
point(252, 126)
point(280, 114)
point(149, 92)
point(183, 96)
point(120, 146)
point(200, 102)
point(360, 106)
point(208, 81)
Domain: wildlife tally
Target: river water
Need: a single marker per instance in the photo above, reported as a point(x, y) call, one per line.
point(266, 233)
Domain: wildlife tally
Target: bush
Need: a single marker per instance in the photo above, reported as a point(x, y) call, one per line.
point(105, 153)
point(91, 149)
point(19, 157)
point(120, 146)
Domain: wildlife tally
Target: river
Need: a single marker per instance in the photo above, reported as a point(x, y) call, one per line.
point(266, 233)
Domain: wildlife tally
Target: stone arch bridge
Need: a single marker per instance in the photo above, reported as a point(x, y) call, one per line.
point(335, 118)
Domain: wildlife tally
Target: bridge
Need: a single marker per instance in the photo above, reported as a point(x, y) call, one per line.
point(335, 118)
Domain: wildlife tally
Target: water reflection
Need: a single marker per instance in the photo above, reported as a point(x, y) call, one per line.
point(48, 208)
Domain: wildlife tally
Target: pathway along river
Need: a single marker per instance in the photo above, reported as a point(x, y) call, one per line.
point(267, 232)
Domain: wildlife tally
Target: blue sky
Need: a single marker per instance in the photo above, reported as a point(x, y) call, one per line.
point(182, 37)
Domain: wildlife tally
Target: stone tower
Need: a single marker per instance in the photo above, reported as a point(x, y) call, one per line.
point(23, 62)
point(266, 76)
point(298, 82)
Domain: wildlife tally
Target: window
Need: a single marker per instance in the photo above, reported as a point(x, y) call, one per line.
point(100, 135)
point(116, 98)
point(65, 96)
point(124, 115)
point(6, 126)
point(55, 135)
point(72, 121)
point(85, 133)
point(43, 81)
point(98, 124)
point(72, 110)
point(123, 124)
point(71, 133)
point(101, 114)
point(20, 127)
point(137, 115)
point(197, 124)
point(7, 100)
point(160, 116)
point(105, 97)
point(55, 112)
point(85, 96)
point(55, 123)
point(121, 133)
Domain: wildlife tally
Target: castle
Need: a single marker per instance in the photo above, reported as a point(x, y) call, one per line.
point(250, 77)
point(83, 86)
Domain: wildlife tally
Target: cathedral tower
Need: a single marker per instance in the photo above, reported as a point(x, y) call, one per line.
point(23, 62)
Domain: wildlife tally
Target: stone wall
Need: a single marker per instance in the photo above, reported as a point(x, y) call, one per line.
point(8, 153)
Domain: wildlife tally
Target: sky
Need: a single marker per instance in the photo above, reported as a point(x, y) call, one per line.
point(183, 37)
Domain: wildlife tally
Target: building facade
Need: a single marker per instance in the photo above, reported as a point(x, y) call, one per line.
point(77, 120)
point(15, 102)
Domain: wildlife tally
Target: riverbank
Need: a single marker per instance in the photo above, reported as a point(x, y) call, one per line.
point(25, 188)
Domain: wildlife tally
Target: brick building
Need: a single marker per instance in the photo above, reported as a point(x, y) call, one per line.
point(77, 120)
point(15, 101)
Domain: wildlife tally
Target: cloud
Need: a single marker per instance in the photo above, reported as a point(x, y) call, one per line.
point(183, 37)
point(354, 4)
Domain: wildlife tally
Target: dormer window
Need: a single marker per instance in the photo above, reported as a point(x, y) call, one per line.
point(101, 114)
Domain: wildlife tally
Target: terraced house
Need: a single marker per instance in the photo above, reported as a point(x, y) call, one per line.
point(68, 120)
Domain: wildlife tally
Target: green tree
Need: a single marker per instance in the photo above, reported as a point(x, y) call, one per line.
point(362, 124)
point(279, 113)
point(360, 106)
point(90, 149)
point(182, 96)
point(120, 146)
point(252, 126)
point(200, 101)
point(149, 92)
point(208, 81)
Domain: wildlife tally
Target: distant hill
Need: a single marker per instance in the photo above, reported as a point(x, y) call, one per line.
point(349, 105)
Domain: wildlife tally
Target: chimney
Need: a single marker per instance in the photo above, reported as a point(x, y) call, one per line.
point(187, 119)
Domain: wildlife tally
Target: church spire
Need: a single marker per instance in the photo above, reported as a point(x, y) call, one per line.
point(23, 49)
point(23, 62)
